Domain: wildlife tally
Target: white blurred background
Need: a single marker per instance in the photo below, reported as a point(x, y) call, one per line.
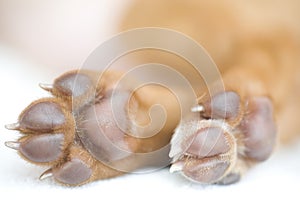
point(60, 33)
point(41, 39)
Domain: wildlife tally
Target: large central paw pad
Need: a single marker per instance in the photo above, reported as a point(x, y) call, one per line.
point(227, 136)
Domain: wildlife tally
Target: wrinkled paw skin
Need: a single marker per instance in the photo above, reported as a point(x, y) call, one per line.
point(223, 138)
point(56, 130)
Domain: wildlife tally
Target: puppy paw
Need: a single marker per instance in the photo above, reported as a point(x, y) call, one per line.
point(73, 132)
point(224, 138)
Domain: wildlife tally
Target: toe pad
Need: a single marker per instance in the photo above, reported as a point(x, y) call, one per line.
point(259, 129)
point(74, 172)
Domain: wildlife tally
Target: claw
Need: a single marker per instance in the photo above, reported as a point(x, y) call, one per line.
point(198, 108)
point(12, 145)
point(14, 126)
point(46, 174)
point(47, 87)
point(175, 167)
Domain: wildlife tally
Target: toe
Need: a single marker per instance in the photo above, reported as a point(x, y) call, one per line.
point(76, 87)
point(72, 84)
point(42, 148)
point(45, 148)
point(73, 172)
point(208, 142)
point(230, 179)
point(259, 129)
point(205, 170)
point(41, 116)
point(207, 150)
point(80, 168)
point(48, 129)
point(224, 105)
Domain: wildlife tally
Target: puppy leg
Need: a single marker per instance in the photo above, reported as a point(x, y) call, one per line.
point(232, 131)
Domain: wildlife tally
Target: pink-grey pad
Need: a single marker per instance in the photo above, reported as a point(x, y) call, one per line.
point(73, 84)
point(42, 148)
point(73, 172)
point(205, 170)
point(208, 142)
point(42, 117)
point(201, 162)
point(223, 105)
point(230, 179)
point(259, 129)
point(104, 126)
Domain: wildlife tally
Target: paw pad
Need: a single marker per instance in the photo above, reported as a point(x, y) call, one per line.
point(42, 148)
point(224, 105)
point(208, 142)
point(46, 125)
point(42, 116)
point(203, 152)
point(78, 89)
point(73, 141)
point(74, 172)
point(227, 136)
point(259, 129)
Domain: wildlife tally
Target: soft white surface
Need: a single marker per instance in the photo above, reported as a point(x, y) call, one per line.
point(19, 78)
point(277, 178)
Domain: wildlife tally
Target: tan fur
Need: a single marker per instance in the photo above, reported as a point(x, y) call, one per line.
point(255, 44)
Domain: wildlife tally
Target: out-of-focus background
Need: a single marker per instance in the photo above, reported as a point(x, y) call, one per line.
point(40, 40)
point(60, 33)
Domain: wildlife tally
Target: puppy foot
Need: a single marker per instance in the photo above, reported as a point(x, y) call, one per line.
point(68, 131)
point(225, 137)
